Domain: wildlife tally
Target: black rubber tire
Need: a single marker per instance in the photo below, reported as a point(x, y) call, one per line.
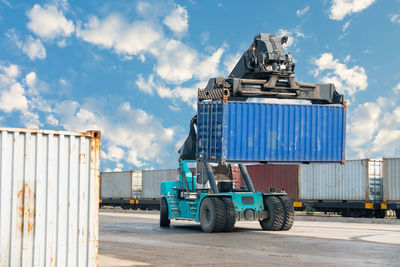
point(398, 214)
point(288, 218)
point(380, 214)
point(212, 215)
point(275, 209)
point(164, 221)
point(230, 215)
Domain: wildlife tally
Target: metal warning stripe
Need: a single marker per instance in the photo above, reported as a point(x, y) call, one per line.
point(210, 94)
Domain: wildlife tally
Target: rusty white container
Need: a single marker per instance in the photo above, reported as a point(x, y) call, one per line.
point(335, 181)
point(49, 183)
point(391, 179)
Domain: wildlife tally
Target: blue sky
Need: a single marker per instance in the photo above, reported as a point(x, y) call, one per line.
point(132, 68)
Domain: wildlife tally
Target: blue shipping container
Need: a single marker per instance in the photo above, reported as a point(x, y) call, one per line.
point(274, 133)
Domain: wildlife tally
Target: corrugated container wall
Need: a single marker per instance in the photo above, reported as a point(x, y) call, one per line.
point(136, 184)
point(334, 181)
point(49, 197)
point(391, 179)
point(116, 184)
point(254, 132)
point(278, 177)
point(152, 180)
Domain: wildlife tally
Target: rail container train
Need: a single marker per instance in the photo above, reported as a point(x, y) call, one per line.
point(360, 188)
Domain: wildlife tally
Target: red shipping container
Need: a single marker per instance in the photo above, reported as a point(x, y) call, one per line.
point(284, 177)
point(237, 178)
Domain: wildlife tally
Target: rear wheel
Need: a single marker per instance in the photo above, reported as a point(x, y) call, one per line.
point(212, 215)
point(164, 221)
point(398, 214)
point(230, 214)
point(275, 220)
point(288, 217)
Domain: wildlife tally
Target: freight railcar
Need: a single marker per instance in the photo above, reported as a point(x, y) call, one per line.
point(134, 189)
point(360, 188)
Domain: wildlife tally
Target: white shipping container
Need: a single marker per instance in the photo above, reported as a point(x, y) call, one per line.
point(49, 197)
point(116, 184)
point(152, 180)
point(391, 179)
point(334, 181)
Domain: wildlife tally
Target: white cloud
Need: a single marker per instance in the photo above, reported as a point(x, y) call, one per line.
point(62, 43)
point(204, 37)
point(230, 62)
point(115, 153)
point(341, 8)
point(179, 63)
point(397, 87)
point(346, 25)
point(146, 86)
point(176, 62)
point(347, 80)
point(14, 98)
point(12, 93)
point(50, 119)
point(185, 94)
point(124, 37)
point(374, 129)
point(30, 79)
point(49, 22)
point(302, 12)
point(387, 140)
point(209, 66)
point(291, 34)
point(139, 138)
point(34, 49)
point(142, 58)
point(395, 18)
point(363, 124)
point(177, 20)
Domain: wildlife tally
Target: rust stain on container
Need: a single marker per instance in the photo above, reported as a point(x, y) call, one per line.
point(26, 199)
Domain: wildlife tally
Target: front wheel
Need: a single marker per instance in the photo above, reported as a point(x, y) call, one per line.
point(212, 215)
point(288, 217)
point(164, 221)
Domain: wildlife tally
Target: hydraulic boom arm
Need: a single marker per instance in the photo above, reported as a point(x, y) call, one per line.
point(265, 71)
